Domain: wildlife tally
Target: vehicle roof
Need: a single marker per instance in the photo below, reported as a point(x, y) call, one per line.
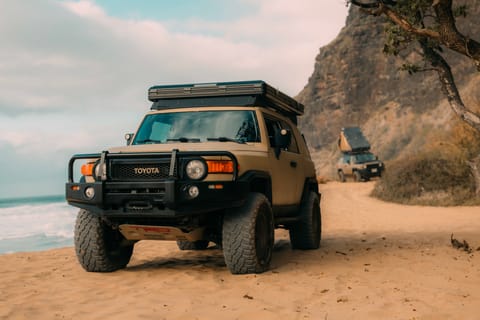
point(242, 93)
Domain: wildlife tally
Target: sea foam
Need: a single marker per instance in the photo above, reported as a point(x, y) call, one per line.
point(36, 226)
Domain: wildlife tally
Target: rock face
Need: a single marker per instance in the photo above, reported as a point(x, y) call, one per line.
point(355, 84)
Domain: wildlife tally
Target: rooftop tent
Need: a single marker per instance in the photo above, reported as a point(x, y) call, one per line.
point(243, 93)
point(352, 140)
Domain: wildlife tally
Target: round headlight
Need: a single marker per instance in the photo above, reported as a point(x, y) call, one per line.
point(90, 193)
point(196, 169)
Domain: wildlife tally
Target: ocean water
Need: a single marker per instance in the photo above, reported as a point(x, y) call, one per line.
point(34, 224)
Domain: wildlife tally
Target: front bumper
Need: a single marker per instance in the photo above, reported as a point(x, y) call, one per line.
point(371, 171)
point(168, 196)
point(156, 199)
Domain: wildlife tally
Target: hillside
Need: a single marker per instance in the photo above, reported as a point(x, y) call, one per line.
point(354, 83)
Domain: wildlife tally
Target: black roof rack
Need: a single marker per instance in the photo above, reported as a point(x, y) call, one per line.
point(243, 93)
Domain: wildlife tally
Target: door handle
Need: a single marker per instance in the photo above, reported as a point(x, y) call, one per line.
point(293, 164)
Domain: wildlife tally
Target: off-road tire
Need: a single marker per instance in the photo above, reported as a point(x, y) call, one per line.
point(248, 236)
point(99, 248)
point(306, 233)
point(192, 245)
point(357, 177)
point(341, 176)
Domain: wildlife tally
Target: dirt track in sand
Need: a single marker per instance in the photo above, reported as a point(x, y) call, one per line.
point(377, 261)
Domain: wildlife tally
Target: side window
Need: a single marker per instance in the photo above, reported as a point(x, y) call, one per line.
point(273, 125)
point(293, 147)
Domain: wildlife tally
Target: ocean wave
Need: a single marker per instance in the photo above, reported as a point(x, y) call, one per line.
point(15, 202)
point(31, 223)
point(34, 243)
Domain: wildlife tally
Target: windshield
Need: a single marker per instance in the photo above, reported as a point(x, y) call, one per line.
point(238, 126)
point(365, 157)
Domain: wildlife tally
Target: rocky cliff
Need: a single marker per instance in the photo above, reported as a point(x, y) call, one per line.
point(355, 84)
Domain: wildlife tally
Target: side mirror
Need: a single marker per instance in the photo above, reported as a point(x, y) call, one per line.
point(128, 138)
point(282, 140)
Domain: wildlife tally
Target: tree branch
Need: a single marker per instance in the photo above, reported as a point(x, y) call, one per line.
point(369, 5)
point(448, 85)
point(407, 26)
point(450, 36)
point(383, 7)
point(372, 4)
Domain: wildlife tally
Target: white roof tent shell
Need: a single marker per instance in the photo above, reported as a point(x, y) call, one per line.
point(243, 93)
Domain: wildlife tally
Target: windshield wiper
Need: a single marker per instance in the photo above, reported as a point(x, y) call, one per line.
point(145, 141)
point(184, 139)
point(225, 139)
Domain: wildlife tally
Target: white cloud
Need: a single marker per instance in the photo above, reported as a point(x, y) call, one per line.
point(83, 56)
point(250, 46)
point(85, 9)
point(69, 71)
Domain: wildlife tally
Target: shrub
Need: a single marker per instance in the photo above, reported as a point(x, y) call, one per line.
point(440, 175)
point(436, 177)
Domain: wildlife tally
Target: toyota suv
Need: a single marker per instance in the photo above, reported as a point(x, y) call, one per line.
point(220, 163)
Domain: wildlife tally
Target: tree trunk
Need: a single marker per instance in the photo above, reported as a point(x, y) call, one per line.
point(475, 167)
point(448, 85)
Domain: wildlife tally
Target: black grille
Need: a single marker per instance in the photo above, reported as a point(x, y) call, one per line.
point(122, 170)
point(373, 167)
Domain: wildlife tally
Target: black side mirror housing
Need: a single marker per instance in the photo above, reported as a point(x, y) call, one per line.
point(129, 138)
point(283, 138)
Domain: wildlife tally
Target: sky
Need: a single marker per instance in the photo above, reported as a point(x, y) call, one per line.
point(74, 74)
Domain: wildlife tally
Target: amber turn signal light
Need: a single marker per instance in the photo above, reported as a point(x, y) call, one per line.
point(87, 169)
point(220, 166)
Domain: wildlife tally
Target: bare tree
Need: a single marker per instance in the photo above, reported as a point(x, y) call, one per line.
point(432, 25)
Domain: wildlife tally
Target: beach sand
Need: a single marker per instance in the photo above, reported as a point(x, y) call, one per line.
point(377, 261)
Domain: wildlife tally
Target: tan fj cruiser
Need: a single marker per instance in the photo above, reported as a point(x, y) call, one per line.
point(356, 160)
point(222, 163)
point(360, 166)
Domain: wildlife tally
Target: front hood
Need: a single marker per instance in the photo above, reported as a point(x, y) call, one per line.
point(202, 146)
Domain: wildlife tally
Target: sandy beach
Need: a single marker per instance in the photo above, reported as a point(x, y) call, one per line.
point(377, 261)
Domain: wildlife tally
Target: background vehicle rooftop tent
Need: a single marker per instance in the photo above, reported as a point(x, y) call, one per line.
point(352, 140)
point(243, 93)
